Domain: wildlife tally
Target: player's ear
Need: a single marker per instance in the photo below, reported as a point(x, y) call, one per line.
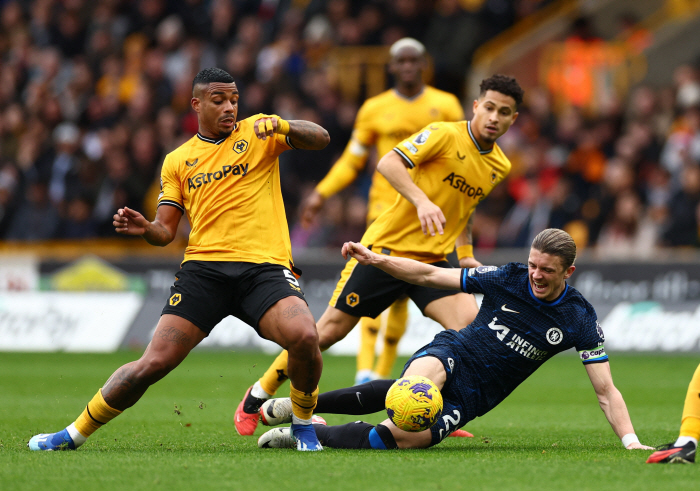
point(569, 271)
point(194, 102)
point(475, 105)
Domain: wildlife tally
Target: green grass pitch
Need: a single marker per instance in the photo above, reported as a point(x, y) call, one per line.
point(549, 434)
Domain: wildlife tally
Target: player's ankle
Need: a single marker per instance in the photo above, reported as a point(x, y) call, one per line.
point(259, 392)
point(78, 438)
point(299, 421)
point(255, 399)
point(683, 440)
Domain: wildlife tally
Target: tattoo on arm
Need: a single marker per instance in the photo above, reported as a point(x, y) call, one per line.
point(306, 135)
point(470, 225)
point(158, 235)
point(295, 310)
point(174, 335)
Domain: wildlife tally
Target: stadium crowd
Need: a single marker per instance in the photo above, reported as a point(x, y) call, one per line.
point(94, 94)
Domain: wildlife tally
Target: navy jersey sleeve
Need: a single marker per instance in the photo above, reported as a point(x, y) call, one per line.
point(590, 343)
point(480, 279)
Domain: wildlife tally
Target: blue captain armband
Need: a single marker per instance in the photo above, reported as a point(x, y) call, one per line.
point(596, 355)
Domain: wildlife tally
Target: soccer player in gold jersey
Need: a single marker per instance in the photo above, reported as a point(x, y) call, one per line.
point(238, 259)
point(382, 122)
point(453, 167)
point(682, 451)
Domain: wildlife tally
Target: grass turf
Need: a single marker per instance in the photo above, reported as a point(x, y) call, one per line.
point(549, 434)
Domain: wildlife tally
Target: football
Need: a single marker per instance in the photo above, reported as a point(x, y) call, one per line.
point(414, 403)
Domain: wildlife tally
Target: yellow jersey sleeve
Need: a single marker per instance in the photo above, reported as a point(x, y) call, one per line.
point(170, 187)
point(429, 144)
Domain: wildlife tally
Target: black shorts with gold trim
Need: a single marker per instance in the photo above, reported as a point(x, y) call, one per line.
point(366, 291)
point(205, 292)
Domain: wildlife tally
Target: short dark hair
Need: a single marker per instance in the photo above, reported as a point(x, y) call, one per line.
point(505, 85)
point(556, 242)
point(209, 75)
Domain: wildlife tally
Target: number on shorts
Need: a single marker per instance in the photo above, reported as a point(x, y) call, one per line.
point(291, 278)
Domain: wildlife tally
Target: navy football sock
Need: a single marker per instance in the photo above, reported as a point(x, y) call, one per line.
point(356, 435)
point(365, 398)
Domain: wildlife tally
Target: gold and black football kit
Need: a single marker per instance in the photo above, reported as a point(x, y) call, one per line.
point(456, 174)
point(238, 259)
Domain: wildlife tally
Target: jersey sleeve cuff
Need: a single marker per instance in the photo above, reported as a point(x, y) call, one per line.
point(171, 203)
point(289, 142)
point(408, 161)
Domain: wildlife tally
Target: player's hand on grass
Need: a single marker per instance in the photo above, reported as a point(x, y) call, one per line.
point(265, 127)
point(129, 222)
point(431, 218)
point(357, 251)
point(638, 446)
point(469, 262)
point(310, 208)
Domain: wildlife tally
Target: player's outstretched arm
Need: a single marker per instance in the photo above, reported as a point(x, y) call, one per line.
point(304, 135)
point(159, 232)
point(430, 215)
point(613, 405)
point(405, 269)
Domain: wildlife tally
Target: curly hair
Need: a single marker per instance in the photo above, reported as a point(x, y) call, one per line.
point(209, 75)
point(505, 85)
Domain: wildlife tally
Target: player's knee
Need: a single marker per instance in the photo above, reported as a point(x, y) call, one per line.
point(306, 339)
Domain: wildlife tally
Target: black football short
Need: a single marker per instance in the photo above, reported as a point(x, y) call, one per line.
point(205, 292)
point(366, 291)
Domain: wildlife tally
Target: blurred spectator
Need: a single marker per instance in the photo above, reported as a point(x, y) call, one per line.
point(683, 216)
point(36, 218)
point(94, 94)
point(627, 231)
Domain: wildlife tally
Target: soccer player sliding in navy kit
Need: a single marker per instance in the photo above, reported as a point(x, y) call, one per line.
point(528, 315)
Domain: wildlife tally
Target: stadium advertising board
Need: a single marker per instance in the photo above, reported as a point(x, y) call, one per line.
point(644, 307)
point(61, 321)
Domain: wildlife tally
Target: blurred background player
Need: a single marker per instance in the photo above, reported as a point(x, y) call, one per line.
point(382, 122)
point(682, 451)
point(455, 166)
point(238, 260)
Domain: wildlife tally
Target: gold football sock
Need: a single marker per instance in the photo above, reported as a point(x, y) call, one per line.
point(690, 425)
point(395, 329)
point(96, 414)
point(303, 403)
point(276, 375)
point(369, 330)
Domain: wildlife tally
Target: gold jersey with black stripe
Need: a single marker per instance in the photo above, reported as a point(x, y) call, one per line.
point(230, 190)
point(455, 173)
point(386, 119)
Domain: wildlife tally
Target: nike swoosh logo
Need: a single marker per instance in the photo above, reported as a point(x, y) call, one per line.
point(358, 394)
point(504, 309)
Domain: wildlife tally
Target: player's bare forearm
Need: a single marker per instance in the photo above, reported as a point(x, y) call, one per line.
point(157, 234)
point(405, 269)
point(306, 135)
point(615, 410)
point(393, 168)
